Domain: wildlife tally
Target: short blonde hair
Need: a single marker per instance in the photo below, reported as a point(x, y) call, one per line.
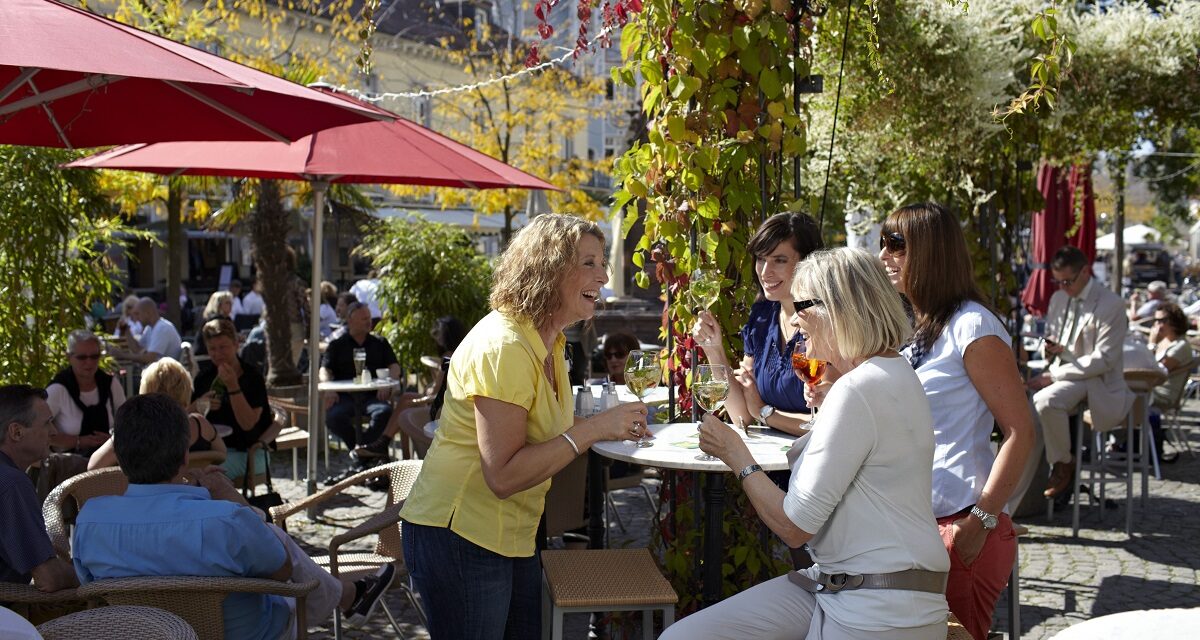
point(213, 308)
point(168, 377)
point(862, 307)
point(525, 284)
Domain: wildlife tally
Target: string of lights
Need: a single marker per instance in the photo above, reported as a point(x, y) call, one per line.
point(411, 95)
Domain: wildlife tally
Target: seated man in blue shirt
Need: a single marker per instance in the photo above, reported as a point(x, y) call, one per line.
point(174, 523)
point(26, 425)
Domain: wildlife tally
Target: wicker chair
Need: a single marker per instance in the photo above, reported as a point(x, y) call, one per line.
point(118, 623)
point(20, 597)
point(65, 501)
point(587, 580)
point(402, 474)
point(196, 599)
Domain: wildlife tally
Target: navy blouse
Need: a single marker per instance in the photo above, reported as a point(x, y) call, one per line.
point(778, 385)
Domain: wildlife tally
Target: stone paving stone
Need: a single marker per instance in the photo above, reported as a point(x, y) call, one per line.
point(1064, 580)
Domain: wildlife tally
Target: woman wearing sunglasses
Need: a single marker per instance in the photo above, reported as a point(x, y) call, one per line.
point(859, 489)
point(82, 397)
point(962, 353)
point(769, 391)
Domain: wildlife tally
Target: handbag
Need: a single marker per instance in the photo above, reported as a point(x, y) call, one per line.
point(263, 501)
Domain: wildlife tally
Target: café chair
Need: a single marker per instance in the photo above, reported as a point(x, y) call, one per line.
point(352, 565)
point(118, 623)
point(65, 501)
point(198, 600)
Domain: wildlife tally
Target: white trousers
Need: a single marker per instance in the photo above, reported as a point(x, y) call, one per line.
point(780, 610)
point(320, 601)
point(1054, 405)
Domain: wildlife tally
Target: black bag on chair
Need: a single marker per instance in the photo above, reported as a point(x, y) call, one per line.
point(266, 500)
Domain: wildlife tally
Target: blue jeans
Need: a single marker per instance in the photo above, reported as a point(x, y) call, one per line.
point(471, 593)
point(341, 416)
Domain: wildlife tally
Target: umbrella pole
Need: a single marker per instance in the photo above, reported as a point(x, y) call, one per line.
point(314, 337)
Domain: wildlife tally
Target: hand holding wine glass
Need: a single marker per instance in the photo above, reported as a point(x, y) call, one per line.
point(810, 370)
point(704, 289)
point(710, 387)
point(642, 373)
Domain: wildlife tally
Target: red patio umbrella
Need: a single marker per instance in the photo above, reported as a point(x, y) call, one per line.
point(1050, 227)
point(392, 152)
point(70, 78)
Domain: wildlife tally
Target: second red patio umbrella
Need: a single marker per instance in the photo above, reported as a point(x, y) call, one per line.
point(1050, 227)
point(393, 152)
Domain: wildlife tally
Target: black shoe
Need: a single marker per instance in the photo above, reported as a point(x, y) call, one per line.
point(377, 449)
point(368, 592)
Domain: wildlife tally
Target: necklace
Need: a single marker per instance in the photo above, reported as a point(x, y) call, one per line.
point(548, 369)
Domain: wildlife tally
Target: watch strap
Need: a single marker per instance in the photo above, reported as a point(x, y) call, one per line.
point(750, 469)
point(985, 517)
point(766, 412)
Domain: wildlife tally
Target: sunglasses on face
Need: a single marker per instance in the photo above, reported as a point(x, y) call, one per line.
point(801, 305)
point(614, 354)
point(1158, 320)
point(893, 242)
point(86, 356)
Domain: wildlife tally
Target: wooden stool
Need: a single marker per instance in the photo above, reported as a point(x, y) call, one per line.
point(587, 580)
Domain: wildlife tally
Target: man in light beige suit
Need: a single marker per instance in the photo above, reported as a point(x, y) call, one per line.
point(1085, 331)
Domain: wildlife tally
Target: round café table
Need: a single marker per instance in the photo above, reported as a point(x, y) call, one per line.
point(676, 447)
point(341, 386)
point(1134, 625)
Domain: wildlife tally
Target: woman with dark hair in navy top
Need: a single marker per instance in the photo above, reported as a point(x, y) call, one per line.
point(769, 391)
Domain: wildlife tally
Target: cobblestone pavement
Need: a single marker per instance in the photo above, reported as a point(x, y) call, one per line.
point(1064, 580)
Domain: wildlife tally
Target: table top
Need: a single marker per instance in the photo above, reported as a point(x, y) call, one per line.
point(677, 445)
point(1131, 625)
point(349, 386)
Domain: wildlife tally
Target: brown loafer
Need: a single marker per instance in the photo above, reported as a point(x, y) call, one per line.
point(1061, 477)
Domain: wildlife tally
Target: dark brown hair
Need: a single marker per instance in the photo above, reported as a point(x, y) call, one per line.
point(799, 229)
point(938, 274)
point(1176, 318)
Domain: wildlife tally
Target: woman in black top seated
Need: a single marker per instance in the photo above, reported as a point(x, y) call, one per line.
point(237, 397)
point(82, 397)
point(168, 377)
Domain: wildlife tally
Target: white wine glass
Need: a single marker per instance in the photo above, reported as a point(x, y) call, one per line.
point(642, 373)
point(710, 387)
point(704, 288)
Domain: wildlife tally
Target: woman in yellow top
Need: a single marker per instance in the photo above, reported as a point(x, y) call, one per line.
point(471, 519)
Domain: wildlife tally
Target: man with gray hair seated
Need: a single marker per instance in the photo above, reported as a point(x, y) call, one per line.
point(159, 337)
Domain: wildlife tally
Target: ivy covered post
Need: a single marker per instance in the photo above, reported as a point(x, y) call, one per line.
point(723, 128)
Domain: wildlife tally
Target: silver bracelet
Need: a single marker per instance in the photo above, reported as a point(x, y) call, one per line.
point(571, 442)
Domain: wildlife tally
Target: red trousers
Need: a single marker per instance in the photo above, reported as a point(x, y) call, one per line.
point(972, 590)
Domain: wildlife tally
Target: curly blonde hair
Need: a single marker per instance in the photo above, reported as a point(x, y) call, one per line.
point(168, 377)
point(525, 284)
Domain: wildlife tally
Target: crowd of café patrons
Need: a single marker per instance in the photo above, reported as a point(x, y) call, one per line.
point(899, 481)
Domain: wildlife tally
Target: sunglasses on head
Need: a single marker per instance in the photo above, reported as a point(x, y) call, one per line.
point(892, 241)
point(801, 305)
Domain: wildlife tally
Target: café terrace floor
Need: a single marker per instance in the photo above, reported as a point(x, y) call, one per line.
point(1064, 580)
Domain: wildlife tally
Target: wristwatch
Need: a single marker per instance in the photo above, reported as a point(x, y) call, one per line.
point(765, 413)
point(989, 521)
